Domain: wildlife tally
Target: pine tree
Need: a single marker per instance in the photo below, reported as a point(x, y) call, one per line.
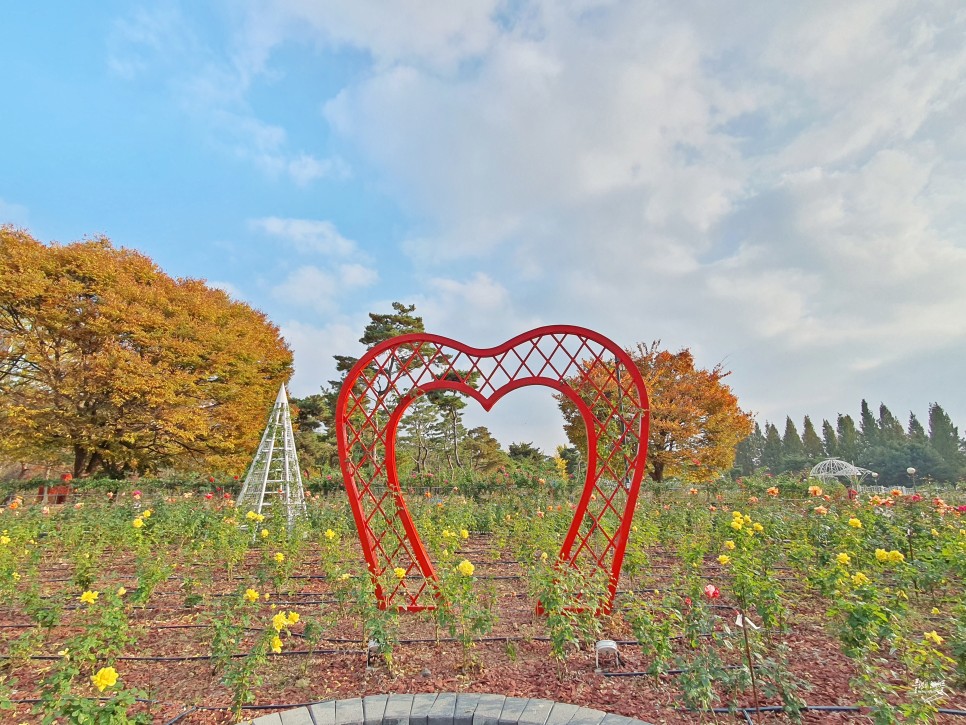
point(811, 443)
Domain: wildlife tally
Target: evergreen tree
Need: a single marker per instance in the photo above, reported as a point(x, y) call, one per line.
point(811, 443)
point(944, 437)
point(483, 450)
point(829, 440)
point(868, 427)
point(848, 438)
point(890, 429)
point(915, 431)
point(748, 452)
point(771, 453)
point(793, 452)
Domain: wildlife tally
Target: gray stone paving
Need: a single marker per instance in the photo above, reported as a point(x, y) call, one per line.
point(444, 708)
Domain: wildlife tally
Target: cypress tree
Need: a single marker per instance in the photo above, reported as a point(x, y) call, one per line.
point(890, 429)
point(748, 452)
point(915, 431)
point(944, 437)
point(811, 443)
point(868, 427)
point(771, 453)
point(829, 440)
point(848, 438)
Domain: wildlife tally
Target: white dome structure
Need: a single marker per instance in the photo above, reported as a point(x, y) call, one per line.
point(832, 469)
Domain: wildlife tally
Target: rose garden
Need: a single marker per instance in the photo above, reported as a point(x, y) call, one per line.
point(201, 609)
point(672, 564)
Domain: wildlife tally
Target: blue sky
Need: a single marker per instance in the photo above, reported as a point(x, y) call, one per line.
point(778, 187)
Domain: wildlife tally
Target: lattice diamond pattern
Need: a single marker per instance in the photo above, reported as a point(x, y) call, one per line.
point(614, 408)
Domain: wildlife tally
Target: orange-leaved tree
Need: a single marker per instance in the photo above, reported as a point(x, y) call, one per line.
point(120, 368)
point(696, 423)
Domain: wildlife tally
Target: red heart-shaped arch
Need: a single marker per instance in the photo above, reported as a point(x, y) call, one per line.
point(594, 373)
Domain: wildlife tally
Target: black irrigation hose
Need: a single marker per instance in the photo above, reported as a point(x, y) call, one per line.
point(182, 716)
point(194, 658)
point(420, 640)
point(747, 711)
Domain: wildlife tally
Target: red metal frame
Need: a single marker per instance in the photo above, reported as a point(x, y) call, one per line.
point(598, 376)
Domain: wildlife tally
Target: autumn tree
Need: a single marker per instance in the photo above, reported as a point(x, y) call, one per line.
point(122, 369)
point(695, 421)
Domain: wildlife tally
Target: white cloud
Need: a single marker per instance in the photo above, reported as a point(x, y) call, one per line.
point(313, 347)
point(357, 275)
point(781, 187)
point(308, 236)
point(163, 46)
point(437, 34)
point(319, 290)
point(12, 213)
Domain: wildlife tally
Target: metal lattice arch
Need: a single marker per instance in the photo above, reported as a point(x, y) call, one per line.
point(273, 483)
point(596, 375)
point(833, 469)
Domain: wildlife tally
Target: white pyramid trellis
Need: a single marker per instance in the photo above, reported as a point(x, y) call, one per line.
point(274, 479)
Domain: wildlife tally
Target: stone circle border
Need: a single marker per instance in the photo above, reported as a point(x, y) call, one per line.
point(444, 708)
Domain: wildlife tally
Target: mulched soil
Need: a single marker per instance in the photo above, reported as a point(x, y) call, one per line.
point(514, 660)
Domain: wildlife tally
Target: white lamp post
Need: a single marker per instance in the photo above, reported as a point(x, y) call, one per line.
point(912, 474)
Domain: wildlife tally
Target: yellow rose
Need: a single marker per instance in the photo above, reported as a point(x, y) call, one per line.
point(399, 572)
point(89, 597)
point(465, 568)
point(104, 677)
point(843, 559)
point(724, 559)
point(251, 595)
point(855, 523)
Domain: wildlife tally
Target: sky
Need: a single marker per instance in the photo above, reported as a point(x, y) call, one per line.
point(780, 187)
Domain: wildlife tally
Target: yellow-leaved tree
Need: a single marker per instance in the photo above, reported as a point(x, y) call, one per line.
point(696, 423)
point(118, 368)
